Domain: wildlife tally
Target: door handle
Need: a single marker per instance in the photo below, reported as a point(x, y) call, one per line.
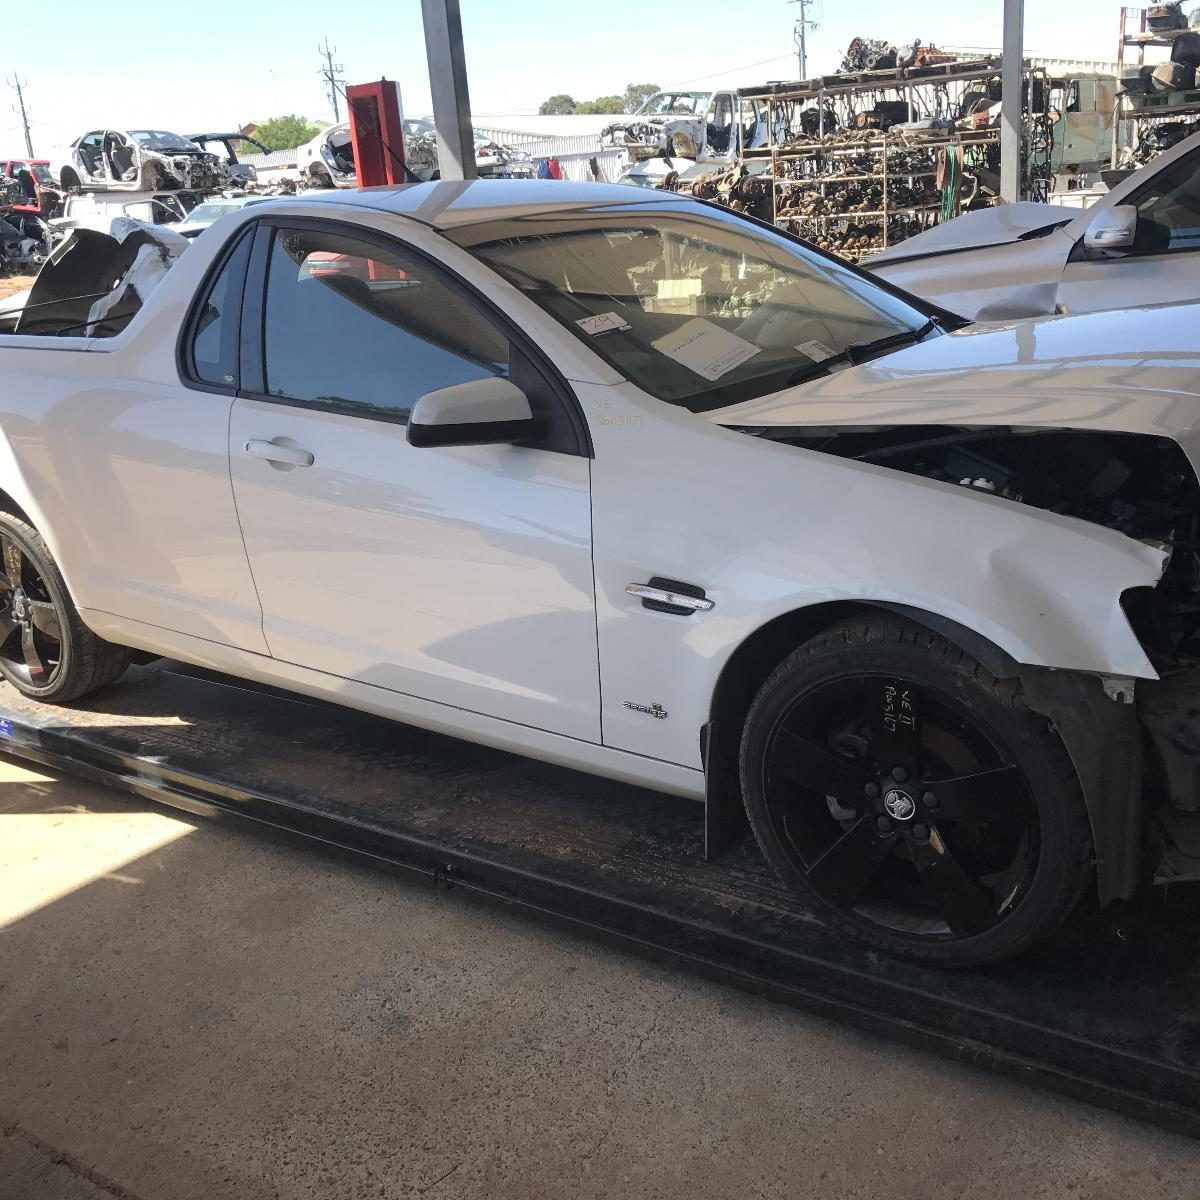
point(273, 452)
point(665, 595)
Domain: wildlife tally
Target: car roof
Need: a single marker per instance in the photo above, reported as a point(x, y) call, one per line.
point(449, 204)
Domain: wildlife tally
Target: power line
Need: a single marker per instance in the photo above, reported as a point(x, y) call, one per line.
point(17, 86)
point(331, 73)
point(731, 70)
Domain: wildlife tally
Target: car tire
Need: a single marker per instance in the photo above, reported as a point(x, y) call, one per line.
point(911, 798)
point(70, 181)
point(46, 651)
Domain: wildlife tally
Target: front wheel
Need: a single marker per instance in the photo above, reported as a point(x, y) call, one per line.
point(46, 651)
point(912, 798)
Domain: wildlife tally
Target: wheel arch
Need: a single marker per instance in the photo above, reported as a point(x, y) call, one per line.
point(1099, 731)
point(747, 668)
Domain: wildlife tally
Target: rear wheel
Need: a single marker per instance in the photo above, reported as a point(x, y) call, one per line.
point(912, 798)
point(46, 651)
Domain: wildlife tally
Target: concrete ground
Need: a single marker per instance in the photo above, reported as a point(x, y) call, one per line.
point(194, 1013)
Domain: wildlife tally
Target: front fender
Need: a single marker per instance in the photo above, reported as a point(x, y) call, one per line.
point(768, 530)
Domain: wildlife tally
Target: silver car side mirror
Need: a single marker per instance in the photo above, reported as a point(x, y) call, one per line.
point(481, 412)
point(1113, 229)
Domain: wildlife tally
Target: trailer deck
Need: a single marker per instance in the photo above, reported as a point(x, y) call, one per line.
point(1108, 1011)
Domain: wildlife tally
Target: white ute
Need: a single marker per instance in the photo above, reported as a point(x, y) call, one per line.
point(620, 481)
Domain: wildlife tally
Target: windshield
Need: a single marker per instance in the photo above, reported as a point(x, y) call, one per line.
point(663, 103)
point(160, 139)
point(212, 210)
point(697, 307)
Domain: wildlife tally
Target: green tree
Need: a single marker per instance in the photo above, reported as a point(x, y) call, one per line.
point(636, 94)
point(602, 104)
point(557, 105)
point(286, 133)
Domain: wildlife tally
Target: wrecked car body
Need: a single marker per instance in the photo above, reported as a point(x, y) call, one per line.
point(670, 124)
point(328, 160)
point(994, 528)
point(227, 146)
point(675, 152)
point(138, 160)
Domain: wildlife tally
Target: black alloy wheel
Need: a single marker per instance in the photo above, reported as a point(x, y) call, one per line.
point(46, 651)
point(30, 624)
point(912, 798)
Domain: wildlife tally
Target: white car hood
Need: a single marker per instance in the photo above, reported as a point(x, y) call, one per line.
point(998, 226)
point(1135, 371)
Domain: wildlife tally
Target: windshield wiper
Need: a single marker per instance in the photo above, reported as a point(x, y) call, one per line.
point(860, 352)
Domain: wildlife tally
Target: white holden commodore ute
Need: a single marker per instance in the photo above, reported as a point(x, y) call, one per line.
point(643, 487)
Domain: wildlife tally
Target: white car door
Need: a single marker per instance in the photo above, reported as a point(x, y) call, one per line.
point(460, 575)
point(1163, 267)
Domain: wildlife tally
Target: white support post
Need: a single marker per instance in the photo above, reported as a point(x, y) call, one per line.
point(448, 86)
point(1012, 78)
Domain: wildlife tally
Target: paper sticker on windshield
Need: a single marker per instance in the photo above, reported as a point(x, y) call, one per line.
point(815, 350)
point(604, 323)
point(706, 348)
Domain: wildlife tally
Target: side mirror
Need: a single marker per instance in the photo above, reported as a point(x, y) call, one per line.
point(483, 412)
point(1115, 229)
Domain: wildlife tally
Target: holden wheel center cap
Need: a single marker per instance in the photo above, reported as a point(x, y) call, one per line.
point(899, 804)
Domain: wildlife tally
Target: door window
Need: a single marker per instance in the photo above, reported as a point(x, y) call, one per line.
point(1169, 206)
point(213, 348)
point(354, 327)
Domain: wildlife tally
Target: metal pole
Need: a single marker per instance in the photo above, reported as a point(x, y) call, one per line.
point(1010, 107)
point(803, 40)
point(24, 119)
point(448, 86)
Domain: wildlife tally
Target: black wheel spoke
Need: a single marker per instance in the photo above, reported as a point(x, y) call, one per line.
point(33, 659)
point(8, 626)
point(996, 796)
point(11, 557)
point(892, 719)
point(817, 768)
point(844, 870)
point(45, 620)
point(962, 901)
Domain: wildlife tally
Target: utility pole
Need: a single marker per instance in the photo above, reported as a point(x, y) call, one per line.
point(331, 73)
point(800, 34)
point(16, 84)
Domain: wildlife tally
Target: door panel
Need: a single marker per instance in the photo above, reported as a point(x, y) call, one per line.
point(461, 575)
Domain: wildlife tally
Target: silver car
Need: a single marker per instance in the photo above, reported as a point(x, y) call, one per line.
point(1132, 247)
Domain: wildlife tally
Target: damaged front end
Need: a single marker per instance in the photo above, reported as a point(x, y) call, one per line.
point(187, 172)
point(1135, 744)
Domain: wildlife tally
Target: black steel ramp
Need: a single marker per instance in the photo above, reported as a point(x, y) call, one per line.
point(1107, 1012)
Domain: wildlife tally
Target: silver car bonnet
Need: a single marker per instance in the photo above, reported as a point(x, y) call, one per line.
point(996, 226)
point(1135, 371)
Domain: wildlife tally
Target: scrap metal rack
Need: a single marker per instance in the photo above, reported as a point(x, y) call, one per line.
point(1108, 1011)
point(853, 159)
point(1147, 122)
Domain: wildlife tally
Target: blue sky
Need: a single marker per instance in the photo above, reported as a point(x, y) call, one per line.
point(222, 63)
